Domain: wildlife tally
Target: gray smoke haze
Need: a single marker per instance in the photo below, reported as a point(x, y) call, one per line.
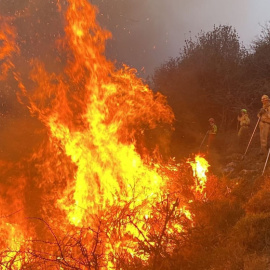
point(147, 33)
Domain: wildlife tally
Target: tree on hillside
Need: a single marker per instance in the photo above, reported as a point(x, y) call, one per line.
point(255, 75)
point(203, 81)
point(216, 58)
point(205, 74)
point(261, 54)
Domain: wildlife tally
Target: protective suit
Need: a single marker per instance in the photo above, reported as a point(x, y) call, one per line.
point(264, 124)
point(244, 130)
point(212, 131)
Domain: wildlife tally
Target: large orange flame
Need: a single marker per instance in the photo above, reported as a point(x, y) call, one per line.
point(97, 129)
point(92, 179)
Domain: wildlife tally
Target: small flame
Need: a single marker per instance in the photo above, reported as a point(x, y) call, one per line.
point(200, 168)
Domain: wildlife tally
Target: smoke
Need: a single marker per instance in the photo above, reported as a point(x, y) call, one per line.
point(37, 25)
point(148, 33)
point(141, 32)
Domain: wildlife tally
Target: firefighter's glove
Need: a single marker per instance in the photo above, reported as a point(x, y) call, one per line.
point(262, 111)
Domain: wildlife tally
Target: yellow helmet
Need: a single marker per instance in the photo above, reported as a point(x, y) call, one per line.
point(265, 97)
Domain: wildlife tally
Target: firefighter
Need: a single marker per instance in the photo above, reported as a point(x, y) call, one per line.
point(264, 115)
point(212, 131)
point(243, 133)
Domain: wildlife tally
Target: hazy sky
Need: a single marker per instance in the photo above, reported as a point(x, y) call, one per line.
point(146, 33)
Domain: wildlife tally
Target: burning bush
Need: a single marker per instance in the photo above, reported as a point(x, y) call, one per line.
point(92, 195)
